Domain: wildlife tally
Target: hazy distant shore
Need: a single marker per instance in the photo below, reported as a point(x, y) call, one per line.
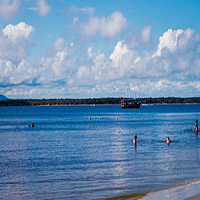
point(98, 101)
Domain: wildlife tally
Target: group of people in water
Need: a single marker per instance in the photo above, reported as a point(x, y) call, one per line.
point(168, 141)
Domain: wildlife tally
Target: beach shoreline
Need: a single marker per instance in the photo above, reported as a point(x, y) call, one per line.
point(183, 191)
point(196, 197)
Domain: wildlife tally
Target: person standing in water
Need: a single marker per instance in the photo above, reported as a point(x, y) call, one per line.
point(196, 127)
point(168, 140)
point(32, 125)
point(135, 140)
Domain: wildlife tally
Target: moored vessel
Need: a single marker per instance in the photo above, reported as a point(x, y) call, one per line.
point(130, 103)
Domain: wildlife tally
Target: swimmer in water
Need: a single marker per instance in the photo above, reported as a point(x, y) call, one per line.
point(196, 127)
point(135, 140)
point(168, 140)
point(32, 125)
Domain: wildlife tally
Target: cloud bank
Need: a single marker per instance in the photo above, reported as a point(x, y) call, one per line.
point(69, 69)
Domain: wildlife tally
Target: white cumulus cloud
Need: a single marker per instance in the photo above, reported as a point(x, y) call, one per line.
point(59, 65)
point(126, 60)
point(15, 43)
point(107, 27)
point(177, 54)
point(16, 74)
point(120, 50)
point(18, 32)
point(169, 41)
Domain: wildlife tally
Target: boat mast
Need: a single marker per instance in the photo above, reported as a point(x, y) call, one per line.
point(128, 92)
point(134, 92)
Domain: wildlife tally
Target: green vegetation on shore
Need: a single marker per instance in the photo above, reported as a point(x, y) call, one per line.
point(98, 101)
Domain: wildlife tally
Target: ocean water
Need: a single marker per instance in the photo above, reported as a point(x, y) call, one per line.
point(68, 156)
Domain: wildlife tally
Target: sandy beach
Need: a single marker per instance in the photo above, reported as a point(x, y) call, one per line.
point(197, 197)
point(186, 191)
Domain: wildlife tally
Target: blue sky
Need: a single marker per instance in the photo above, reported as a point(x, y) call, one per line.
point(98, 48)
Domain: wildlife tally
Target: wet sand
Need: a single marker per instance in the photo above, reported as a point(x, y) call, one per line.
point(197, 197)
point(135, 196)
point(185, 191)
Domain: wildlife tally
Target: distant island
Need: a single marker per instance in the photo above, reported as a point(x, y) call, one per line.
point(2, 97)
point(98, 101)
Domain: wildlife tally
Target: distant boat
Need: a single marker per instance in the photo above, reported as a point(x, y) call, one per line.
point(130, 103)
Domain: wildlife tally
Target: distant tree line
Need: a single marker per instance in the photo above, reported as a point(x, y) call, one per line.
point(97, 101)
point(170, 100)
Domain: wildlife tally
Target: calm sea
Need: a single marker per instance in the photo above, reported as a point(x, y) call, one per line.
point(68, 156)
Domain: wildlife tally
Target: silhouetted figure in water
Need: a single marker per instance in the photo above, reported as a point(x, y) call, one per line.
point(196, 127)
point(168, 140)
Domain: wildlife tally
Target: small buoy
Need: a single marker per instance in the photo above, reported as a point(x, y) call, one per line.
point(99, 118)
point(89, 118)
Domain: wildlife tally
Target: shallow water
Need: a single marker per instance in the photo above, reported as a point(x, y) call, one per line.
point(68, 156)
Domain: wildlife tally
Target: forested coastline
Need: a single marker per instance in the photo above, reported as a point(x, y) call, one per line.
point(98, 101)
